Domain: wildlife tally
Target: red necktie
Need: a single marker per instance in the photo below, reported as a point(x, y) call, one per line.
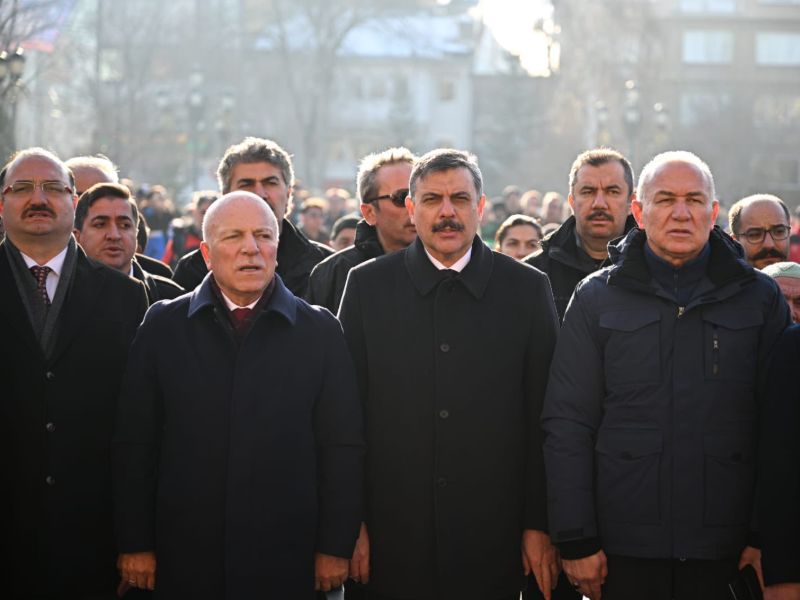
point(240, 317)
point(40, 273)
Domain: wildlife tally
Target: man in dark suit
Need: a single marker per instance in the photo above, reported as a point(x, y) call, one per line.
point(106, 221)
point(67, 323)
point(264, 168)
point(452, 344)
point(240, 477)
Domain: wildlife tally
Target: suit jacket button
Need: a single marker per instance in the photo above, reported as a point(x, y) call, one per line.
point(442, 482)
point(50, 480)
point(445, 347)
point(50, 427)
point(50, 375)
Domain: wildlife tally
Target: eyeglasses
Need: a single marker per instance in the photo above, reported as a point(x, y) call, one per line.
point(756, 235)
point(26, 188)
point(398, 198)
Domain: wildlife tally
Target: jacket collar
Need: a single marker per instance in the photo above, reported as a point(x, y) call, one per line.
point(282, 300)
point(367, 239)
point(474, 277)
point(725, 264)
point(561, 245)
point(291, 243)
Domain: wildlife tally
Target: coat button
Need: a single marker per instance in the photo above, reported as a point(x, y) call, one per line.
point(441, 482)
point(50, 375)
point(443, 414)
point(50, 427)
point(50, 480)
point(445, 347)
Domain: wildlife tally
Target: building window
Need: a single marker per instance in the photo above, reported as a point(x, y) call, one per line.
point(447, 90)
point(776, 111)
point(708, 6)
point(778, 49)
point(698, 107)
point(707, 47)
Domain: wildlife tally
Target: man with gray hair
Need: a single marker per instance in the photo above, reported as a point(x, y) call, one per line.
point(761, 224)
point(90, 170)
point(455, 479)
point(651, 408)
point(241, 477)
point(382, 189)
point(67, 322)
point(262, 167)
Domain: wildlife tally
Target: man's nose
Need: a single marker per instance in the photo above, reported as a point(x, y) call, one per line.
point(680, 210)
point(250, 245)
point(260, 190)
point(447, 208)
point(600, 200)
point(768, 241)
point(113, 232)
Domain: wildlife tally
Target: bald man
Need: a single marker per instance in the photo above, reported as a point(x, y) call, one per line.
point(241, 476)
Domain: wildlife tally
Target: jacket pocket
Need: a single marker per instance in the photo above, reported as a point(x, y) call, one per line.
point(729, 479)
point(632, 352)
point(628, 475)
point(731, 343)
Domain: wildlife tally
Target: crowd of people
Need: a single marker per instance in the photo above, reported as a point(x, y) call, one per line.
point(413, 393)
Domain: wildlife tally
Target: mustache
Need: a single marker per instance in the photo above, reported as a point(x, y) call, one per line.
point(599, 215)
point(769, 253)
point(38, 208)
point(447, 224)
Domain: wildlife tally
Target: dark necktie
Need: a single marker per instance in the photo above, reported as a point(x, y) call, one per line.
point(40, 273)
point(240, 317)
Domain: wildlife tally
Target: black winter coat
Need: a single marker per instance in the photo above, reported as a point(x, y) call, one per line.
point(326, 284)
point(238, 462)
point(651, 409)
point(56, 422)
point(452, 374)
point(297, 256)
point(557, 258)
point(158, 287)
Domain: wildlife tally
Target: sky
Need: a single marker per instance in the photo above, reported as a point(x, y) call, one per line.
point(512, 23)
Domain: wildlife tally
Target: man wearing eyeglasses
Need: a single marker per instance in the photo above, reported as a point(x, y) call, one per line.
point(760, 223)
point(382, 187)
point(66, 323)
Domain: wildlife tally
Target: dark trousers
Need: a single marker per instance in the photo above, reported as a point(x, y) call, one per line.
point(374, 596)
point(563, 591)
point(668, 579)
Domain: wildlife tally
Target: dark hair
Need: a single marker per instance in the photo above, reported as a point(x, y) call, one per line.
point(735, 212)
point(142, 233)
point(513, 221)
point(103, 190)
point(444, 159)
point(345, 222)
point(597, 157)
point(204, 197)
point(254, 150)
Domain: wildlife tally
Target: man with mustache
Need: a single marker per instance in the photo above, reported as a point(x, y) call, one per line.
point(760, 223)
point(240, 477)
point(382, 183)
point(452, 344)
point(106, 221)
point(67, 322)
point(600, 194)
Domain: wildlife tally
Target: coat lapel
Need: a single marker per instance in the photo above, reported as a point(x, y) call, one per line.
point(77, 309)
point(11, 306)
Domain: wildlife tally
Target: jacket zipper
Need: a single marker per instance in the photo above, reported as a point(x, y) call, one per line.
point(715, 362)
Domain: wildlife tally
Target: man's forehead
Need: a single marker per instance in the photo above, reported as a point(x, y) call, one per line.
point(111, 204)
point(758, 209)
point(458, 177)
point(37, 165)
point(258, 170)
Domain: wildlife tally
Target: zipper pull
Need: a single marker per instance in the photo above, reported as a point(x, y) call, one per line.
point(681, 310)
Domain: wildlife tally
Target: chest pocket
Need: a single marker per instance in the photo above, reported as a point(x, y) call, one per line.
point(730, 338)
point(632, 346)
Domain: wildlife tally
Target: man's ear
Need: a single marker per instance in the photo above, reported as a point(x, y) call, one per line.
point(637, 209)
point(206, 254)
point(410, 209)
point(368, 212)
point(77, 235)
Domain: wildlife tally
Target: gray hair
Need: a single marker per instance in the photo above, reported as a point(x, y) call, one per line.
point(366, 180)
point(254, 150)
point(683, 156)
point(100, 162)
point(444, 159)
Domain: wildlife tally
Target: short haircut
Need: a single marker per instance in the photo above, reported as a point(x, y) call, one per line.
point(735, 212)
point(103, 190)
point(445, 159)
point(254, 150)
point(345, 222)
point(35, 151)
point(597, 157)
point(513, 221)
point(314, 202)
point(142, 233)
point(203, 197)
point(100, 162)
point(674, 156)
point(366, 180)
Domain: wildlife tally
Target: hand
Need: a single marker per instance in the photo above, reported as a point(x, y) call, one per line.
point(137, 569)
point(782, 591)
point(587, 574)
point(540, 557)
point(330, 572)
point(752, 556)
point(359, 564)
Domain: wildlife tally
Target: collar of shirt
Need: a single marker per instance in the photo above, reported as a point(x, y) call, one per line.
point(457, 266)
point(232, 305)
point(56, 265)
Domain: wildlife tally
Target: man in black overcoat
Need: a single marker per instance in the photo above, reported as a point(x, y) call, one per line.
point(452, 343)
point(239, 470)
point(67, 323)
